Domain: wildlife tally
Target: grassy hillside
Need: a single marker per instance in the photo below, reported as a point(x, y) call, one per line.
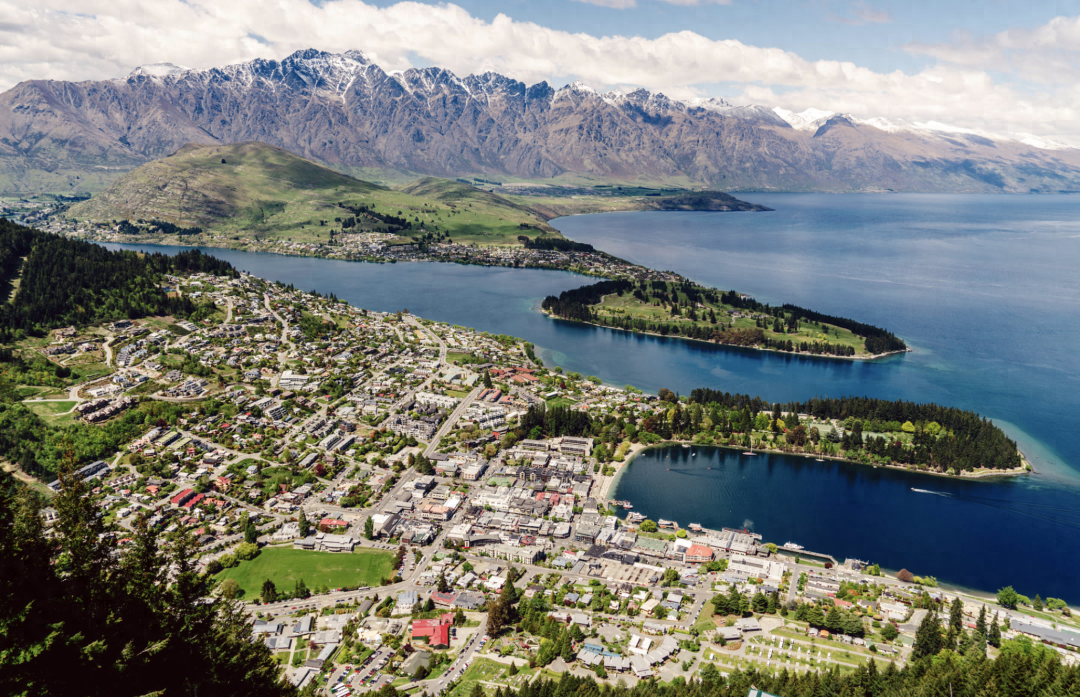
point(254, 190)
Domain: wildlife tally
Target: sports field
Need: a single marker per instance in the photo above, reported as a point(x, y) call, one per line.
point(286, 566)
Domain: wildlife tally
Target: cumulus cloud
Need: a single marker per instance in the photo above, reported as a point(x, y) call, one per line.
point(95, 39)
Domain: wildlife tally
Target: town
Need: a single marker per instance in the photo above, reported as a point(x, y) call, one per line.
point(370, 246)
point(405, 503)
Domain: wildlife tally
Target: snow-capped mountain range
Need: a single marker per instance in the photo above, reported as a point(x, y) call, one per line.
point(346, 111)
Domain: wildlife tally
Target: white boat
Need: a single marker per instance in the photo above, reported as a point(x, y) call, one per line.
point(791, 545)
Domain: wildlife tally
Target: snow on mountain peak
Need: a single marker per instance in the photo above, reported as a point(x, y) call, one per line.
point(806, 120)
point(579, 86)
point(157, 70)
point(1041, 142)
point(707, 103)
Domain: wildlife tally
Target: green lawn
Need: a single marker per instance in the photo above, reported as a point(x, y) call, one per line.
point(482, 669)
point(705, 619)
point(53, 412)
point(286, 566)
point(560, 402)
point(461, 357)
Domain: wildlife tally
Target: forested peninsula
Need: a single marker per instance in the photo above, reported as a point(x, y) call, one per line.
point(925, 437)
point(688, 310)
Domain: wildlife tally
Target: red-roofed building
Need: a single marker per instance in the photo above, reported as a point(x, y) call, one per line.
point(195, 501)
point(443, 599)
point(698, 554)
point(332, 523)
point(437, 631)
point(183, 497)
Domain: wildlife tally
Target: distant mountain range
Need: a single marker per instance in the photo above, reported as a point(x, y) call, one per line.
point(350, 114)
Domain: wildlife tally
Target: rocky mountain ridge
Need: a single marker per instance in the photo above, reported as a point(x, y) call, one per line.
point(347, 112)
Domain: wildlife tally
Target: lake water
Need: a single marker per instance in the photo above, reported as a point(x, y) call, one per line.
point(984, 288)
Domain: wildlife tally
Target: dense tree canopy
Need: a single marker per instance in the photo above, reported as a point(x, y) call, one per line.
point(78, 618)
point(943, 437)
point(687, 298)
point(64, 282)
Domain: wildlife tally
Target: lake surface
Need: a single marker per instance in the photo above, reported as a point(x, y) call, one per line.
point(984, 288)
point(969, 533)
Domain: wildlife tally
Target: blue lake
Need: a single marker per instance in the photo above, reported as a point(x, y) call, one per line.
point(984, 288)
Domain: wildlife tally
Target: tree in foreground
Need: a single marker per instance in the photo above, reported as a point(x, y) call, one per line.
point(76, 618)
point(928, 639)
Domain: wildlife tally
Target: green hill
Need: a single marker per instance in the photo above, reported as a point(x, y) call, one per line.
point(62, 281)
point(255, 190)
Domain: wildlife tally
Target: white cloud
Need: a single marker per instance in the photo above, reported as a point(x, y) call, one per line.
point(94, 39)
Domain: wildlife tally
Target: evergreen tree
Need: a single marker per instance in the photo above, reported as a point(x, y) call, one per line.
point(566, 648)
point(269, 591)
point(305, 526)
point(79, 615)
point(993, 636)
point(760, 603)
point(956, 622)
point(832, 620)
point(487, 379)
point(369, 528)
point(251, 533)
point(928, 640)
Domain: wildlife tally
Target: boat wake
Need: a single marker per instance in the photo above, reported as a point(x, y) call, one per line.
point(1046, 512)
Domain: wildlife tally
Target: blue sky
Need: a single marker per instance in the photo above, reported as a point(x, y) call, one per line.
point(1003, 67)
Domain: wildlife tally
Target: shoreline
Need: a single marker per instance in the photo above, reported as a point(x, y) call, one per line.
point(637, 449)
point(158, 241)
point(872, 357)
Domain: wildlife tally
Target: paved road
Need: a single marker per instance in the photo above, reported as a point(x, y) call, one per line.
point(451, 420)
